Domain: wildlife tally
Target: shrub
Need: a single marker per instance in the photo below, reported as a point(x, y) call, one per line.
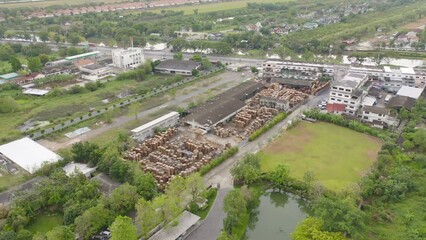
point(267, 126)
point(220, 159)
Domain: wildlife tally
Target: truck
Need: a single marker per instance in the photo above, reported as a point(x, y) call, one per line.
point(388, 98)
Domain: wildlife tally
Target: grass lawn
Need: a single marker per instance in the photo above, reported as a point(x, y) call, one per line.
point(9, 180)
point(44, 223)
point(337, 156)
point(215, 7)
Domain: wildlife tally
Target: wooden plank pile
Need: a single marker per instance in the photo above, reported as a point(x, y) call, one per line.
point(176, 157)
point(150, 145)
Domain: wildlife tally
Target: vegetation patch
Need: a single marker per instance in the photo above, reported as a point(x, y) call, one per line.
point(335, 155)
point(44, 223)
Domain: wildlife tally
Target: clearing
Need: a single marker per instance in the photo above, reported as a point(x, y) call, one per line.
point(44, 223)
point(214, 7)
point(337, 156)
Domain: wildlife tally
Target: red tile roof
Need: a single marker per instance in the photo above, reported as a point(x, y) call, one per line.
point(336, 107)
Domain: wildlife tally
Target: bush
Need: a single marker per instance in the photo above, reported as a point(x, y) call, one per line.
point(267, 126)
point(220, 159)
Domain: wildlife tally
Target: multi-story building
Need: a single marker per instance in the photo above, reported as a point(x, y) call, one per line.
point(378, 117)
point(95, 72)
point(387, 77)
point(127, 58)
point(287, 69)
point(350, 90)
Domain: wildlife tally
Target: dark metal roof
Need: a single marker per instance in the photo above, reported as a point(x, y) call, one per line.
point(223, 105)
point(377, 110)
point(292, 82)
point(183, 65)
point(402, 102)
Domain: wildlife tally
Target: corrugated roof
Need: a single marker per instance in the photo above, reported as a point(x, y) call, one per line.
point(155, 122)
point(185, 221)
point(182, 65)
point(410, 92)
point(9, 76)
point(28, 154)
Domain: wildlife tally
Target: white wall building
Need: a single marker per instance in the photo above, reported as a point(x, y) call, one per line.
point(379, 117)
point(348, 91)
point(148, 129)
point(127, 58)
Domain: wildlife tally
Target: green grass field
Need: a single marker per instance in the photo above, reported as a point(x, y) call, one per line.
point(45, 223)
point(214, 7)
point(8, 180)
point(55, 2)
point(337, 156)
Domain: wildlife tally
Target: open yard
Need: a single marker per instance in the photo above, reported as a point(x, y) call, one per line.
point(336, 156)
point(215, 7)
point(45, 223)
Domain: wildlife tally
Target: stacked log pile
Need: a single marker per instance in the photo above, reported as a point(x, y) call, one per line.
point(174, 157)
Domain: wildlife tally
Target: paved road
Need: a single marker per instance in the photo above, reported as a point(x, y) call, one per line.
point(212, 225)
point(231, 79)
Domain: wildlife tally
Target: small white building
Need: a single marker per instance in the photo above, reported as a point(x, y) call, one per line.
point(74, 168)
point(27, 154)
point(127, 58)
point(148, 129)
point(379, 117)
point(95, 72)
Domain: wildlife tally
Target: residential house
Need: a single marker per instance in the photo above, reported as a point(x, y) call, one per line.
point(378, 117)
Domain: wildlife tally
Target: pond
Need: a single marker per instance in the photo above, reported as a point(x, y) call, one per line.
point(276, 217)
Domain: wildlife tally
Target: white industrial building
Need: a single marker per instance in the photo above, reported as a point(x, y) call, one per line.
point(27, 154)
point(148, 129)
point(127, 58)
point(348, 91)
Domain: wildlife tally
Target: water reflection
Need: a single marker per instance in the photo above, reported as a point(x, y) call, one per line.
point(276, 217)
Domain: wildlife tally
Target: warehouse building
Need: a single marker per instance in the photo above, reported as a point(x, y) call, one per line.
point(148, 129)
point(27, 154)
point(180, 67)
point(223, 107)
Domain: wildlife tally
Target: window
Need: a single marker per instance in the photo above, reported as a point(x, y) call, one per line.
point(347, 90)
point(365, 117)
point(334, 87)
point(345, 101)
point(367, 112)
point(339, 95)
point(341, 89)
point(333, 99)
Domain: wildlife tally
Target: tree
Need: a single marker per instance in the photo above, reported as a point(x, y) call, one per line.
point(92, 221)
point(123, 199)
point(312, 229)
point(123, 228)
point(85, 152)
point(279, 176)
point(34, 64)
point(339, 215)
point(146, 185)
point(195, 72)
point(16, 64)
point(178, 56)
point(419, 139)
point(60, 233)
point(24, 234)
point(206, 64)
point(44, 36)
point(235, 207)
point(44, 58)
point(247, 169)
point(195, 185)
point(8, 104)
point(74, 38)
point(147, 216)
point(197, 57)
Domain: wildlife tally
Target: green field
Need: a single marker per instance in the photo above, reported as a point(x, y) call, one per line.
point(45, 223)
point(336, 156)
point(8, 180)
point(47, 3)
point(214, 7)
